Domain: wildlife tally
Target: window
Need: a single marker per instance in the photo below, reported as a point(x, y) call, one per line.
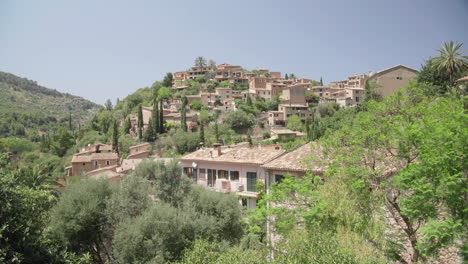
point(223, 174)
point(357, 99)
point(107, 162)
point(95, 164)
point(278, 178)
point(190, 172)
point(211, 177)
point(202, 174)
point(251, 181)
point(234, 175)
point(84, 164)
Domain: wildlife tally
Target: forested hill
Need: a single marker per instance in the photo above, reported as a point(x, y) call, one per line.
point(27, 108)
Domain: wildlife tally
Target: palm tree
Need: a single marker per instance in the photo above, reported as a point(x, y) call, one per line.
point(200, 61)
point(451, 60)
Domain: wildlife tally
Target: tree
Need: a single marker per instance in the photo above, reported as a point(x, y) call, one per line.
point(211, 63)
point(161, 117)
point(140, 122)
point(239, 121)
point(164, 94)
point(200, 62)
point(183, 114)
point(316, 130)
point(248, 100)
point(413, 160)
point(156, 117)
point(430, 75)
point(108, 105)
point(327, 109)
point(63, 140)
point(70, 126)
point(149, 135)
point(167, 179)
point(295, 123)
point(202, 133)
point(23, 217)
point(185, 142)
point(196, 105)
point(127, 125)
point(286, 76)
point(115, 137)
point(216, 131)
point(292, 76)
point(78, 220)
point(372, 91)
point(321, 81)
point(249, 139)
point(128, 201)
point(167, 81)
point(451, 60)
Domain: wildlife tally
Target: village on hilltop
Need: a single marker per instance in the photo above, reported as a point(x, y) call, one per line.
point(236, 168)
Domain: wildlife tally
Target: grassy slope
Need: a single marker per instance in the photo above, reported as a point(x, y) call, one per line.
point(23, 96)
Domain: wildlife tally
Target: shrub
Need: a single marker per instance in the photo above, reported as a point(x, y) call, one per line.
point(240, 121)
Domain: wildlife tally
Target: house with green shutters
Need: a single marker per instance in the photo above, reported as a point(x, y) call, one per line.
point(232, 169)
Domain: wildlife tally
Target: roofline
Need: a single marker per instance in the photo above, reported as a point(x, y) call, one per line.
point(391, 68)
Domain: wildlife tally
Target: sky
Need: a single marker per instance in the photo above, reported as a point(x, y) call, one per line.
point(108, 49)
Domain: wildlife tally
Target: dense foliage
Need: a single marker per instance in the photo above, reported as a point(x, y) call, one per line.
point(27, 109)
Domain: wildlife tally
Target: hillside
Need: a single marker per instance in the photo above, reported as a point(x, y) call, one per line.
point(26, 106)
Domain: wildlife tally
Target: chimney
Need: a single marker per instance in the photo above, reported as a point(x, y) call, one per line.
point(217, 146)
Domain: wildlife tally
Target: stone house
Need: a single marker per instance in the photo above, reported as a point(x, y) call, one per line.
point(231, 169)
point(140, 151)
point(394, 78)
point(81, 164)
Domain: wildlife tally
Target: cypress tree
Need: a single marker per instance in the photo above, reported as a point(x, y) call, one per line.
point(183, 114)
point(115, 137)
point(155, 118)
point(216, 130)
point(149, 135)
point(321, 81)
point(140, 122)
point(307, 125)
point(249, 100)
point(70, 126)
point(202, 133)
point(286, 76)
point(161, 117)
point(127, 125)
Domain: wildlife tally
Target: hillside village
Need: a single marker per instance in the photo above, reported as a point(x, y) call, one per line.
point(231, 86)
point(224, 88)
point(246, 166)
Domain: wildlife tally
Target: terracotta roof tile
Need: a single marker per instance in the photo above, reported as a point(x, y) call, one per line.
point(255, 155)
point(305, 158)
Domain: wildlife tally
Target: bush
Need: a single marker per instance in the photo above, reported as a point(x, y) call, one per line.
point(239, 121)
point(296, 123)
point(196, 105)
point(327, 109)
point(184, 142)
point(78, 218)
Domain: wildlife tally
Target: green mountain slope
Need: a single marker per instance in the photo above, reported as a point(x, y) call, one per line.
point(28, 109)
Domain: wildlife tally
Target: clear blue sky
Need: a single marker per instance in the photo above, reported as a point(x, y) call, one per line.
point(108, 49)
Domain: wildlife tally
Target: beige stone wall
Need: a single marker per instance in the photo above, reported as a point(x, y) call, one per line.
point(393, 80)
point(139, 155)
point(81, 168)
